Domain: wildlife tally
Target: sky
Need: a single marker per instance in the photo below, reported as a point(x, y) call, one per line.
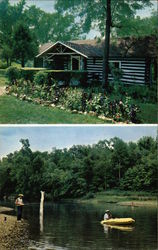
point(44, 138)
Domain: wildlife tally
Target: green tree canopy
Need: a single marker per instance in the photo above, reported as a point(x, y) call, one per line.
point(24, 44)
point(80, 170)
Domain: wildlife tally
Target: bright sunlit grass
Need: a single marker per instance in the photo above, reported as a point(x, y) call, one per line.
point(14, 111)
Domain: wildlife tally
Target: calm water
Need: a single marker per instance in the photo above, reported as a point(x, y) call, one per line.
point(76, 226)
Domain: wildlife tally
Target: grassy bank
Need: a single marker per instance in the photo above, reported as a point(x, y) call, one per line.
point(14, 111)
point(123, 198)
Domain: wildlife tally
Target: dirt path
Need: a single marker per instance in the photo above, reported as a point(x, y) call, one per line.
point(2, 90)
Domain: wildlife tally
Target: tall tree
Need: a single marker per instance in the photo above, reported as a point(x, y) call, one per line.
point(9, 16)
point(49, 27)
point(107, 44)
point(24, 44)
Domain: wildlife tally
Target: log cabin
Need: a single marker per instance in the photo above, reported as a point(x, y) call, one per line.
point(135, 57)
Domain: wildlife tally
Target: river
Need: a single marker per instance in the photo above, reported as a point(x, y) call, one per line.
point(73, 226)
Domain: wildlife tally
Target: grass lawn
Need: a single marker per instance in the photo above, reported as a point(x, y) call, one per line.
point(148, 113)
point(14, 111)
point(3, 78)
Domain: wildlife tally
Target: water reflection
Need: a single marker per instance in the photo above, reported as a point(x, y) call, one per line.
point(44, 246)
point(108, 228)
point(41, 212)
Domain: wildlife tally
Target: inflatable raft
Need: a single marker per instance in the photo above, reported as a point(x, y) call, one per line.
point(118, 221)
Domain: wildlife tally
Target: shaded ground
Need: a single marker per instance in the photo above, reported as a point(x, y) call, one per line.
point(13, 235)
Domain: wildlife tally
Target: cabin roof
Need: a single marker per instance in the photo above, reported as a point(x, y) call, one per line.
point(122, 47)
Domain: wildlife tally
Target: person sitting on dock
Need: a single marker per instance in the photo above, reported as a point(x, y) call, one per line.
point(107, 215)
point(19, 203)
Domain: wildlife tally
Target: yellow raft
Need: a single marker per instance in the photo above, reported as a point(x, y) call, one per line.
point(118, 221)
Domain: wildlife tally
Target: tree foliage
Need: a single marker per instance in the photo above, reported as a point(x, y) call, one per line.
point(24, 44)
point(80, 170)
point(21, 27)
point(92, 13)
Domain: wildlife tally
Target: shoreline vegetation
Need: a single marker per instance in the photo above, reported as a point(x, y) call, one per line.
point(134, 199)
point(13, 235)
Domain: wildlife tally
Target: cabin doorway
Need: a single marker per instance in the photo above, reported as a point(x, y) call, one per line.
point(75, 62)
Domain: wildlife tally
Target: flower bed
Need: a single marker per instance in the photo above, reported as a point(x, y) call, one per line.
point(40, 87)
point(76, 100)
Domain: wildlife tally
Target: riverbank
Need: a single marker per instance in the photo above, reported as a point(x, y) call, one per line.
point(13, 235)
point(123, 198)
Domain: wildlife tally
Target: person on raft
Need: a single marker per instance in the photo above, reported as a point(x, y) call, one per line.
point(107, 215)
point(19, 204)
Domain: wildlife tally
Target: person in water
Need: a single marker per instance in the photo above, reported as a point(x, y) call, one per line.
point(107, 215)
point(19, 204)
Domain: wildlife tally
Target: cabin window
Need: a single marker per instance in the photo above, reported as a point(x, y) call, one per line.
point(115, 64)
point(75, 62)
point(95, 76)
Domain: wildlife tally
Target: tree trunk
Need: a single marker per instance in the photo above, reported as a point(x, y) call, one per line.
point(7, 62)
point(106, 45)
point(119, 173)
point(22, 62)
point(155, 70)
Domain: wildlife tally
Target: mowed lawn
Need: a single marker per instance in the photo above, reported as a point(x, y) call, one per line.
point(14, 111)
point(148, 113)
point(3, 79)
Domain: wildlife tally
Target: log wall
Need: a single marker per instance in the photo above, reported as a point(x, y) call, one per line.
point(134, 70)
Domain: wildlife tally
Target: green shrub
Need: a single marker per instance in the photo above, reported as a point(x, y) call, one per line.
point(142, 93)
point(3, 65)
point(67, 77)
point(28, 74)
point(72, 99)
point(116, 73)
point(13, 74)
point(41, 78)
point(94, 103)
point(2, 72)
point(90, 195)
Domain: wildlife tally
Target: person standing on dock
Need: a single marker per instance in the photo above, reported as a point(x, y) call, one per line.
point(19, 203)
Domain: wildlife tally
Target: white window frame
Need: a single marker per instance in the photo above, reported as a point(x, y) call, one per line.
point(116, 62)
